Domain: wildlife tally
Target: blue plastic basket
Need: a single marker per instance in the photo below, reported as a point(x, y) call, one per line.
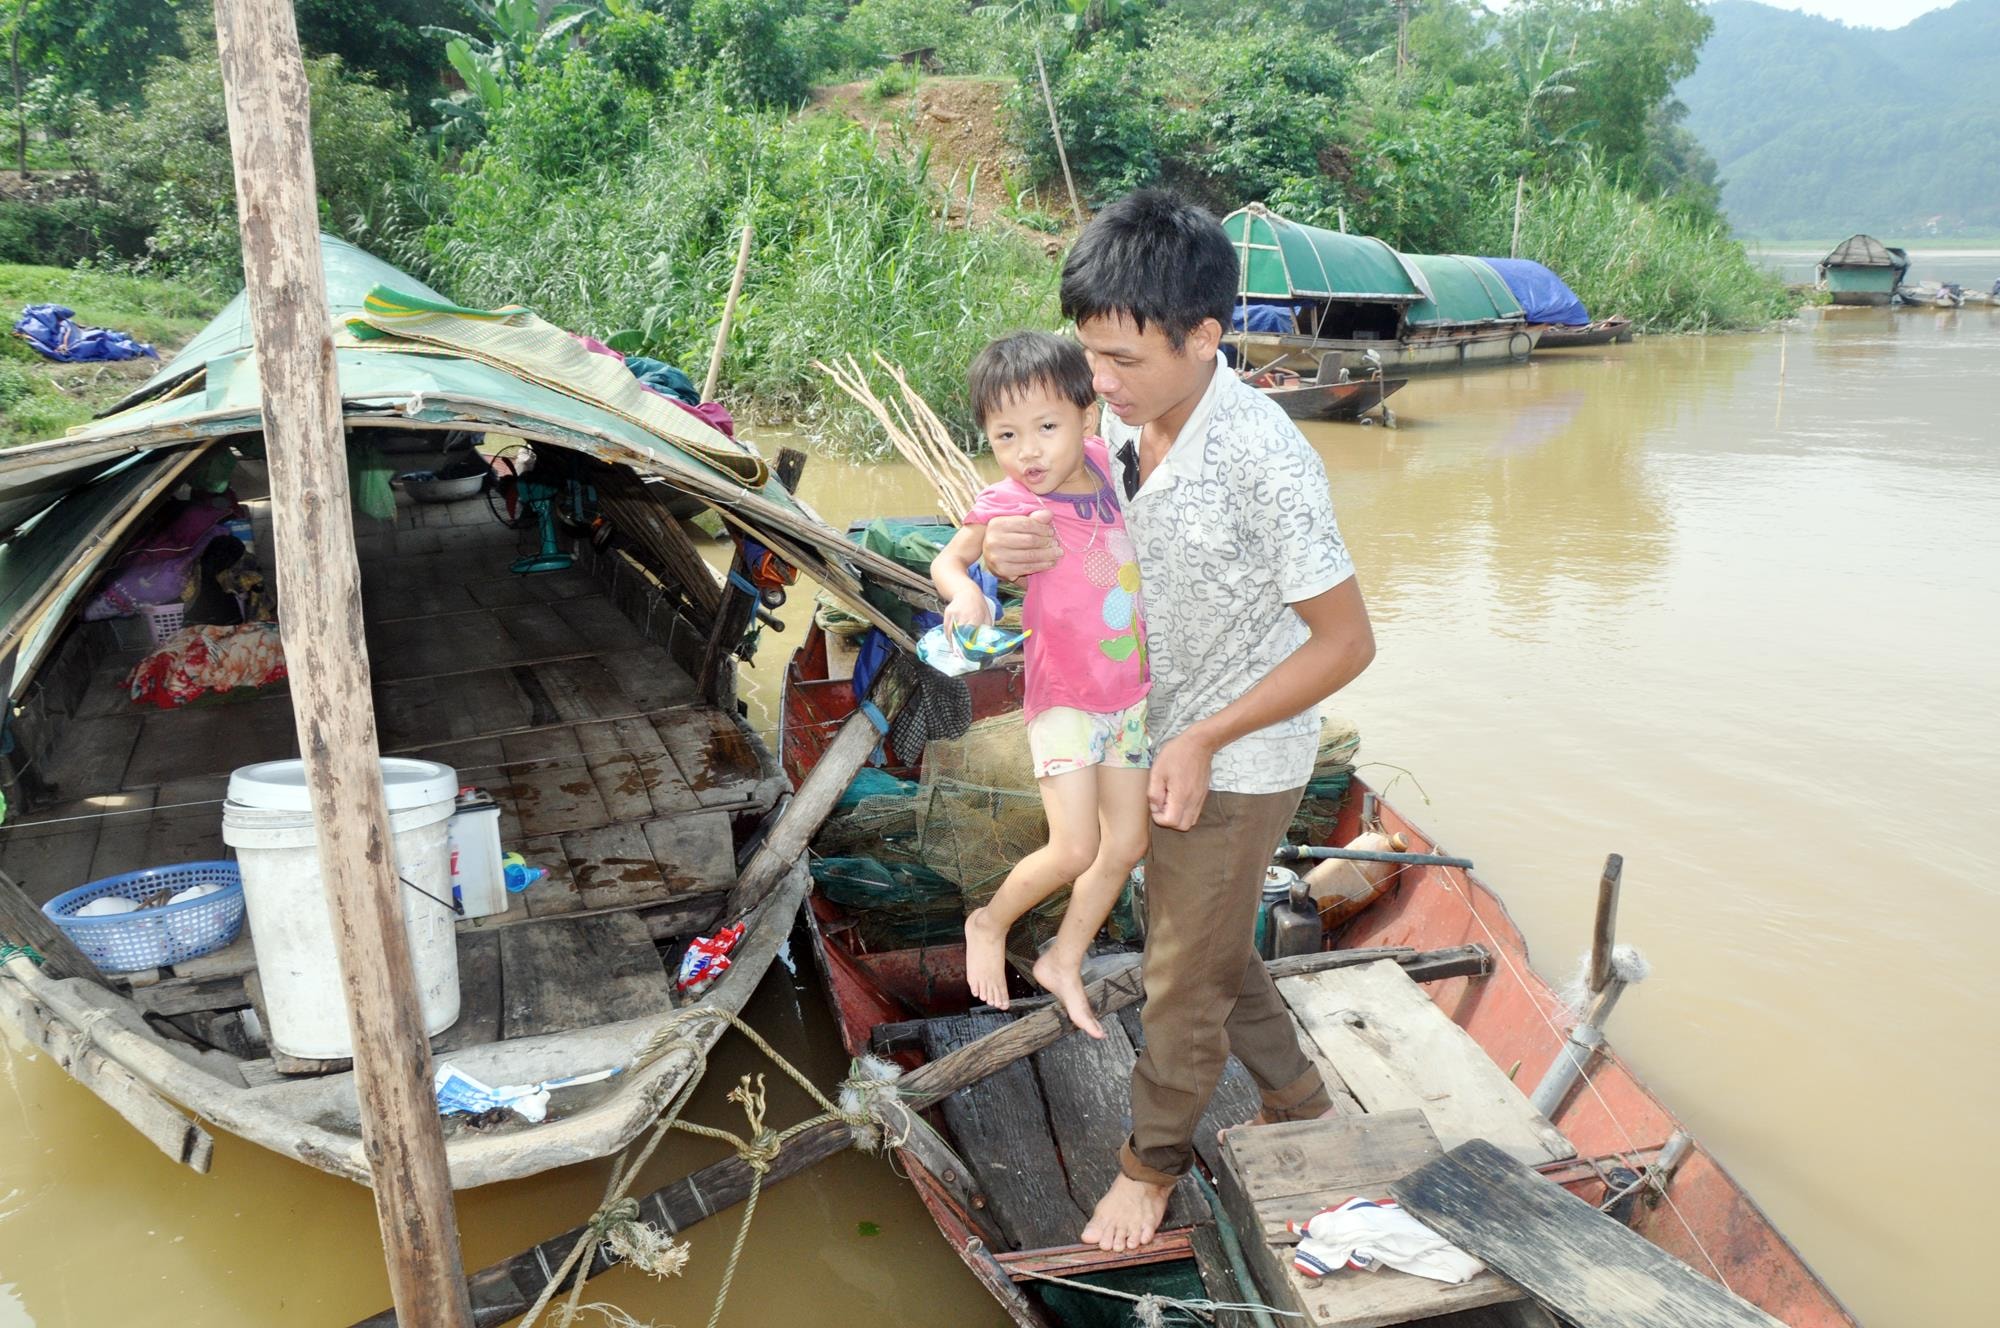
point(163, 934)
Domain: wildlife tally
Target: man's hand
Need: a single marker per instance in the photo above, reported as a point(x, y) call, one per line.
point(1179, 784)
point(1019, 546)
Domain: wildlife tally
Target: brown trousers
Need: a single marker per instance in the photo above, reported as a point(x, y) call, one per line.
point(1207, 991)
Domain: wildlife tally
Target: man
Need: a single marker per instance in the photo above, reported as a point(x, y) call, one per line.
point(1253, 618)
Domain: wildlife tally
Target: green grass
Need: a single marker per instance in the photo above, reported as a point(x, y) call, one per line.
point(39, 398)
point(1652, 262)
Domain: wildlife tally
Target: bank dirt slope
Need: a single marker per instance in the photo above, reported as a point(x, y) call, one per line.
point(963, 121)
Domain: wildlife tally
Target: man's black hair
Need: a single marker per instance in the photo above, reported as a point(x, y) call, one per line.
point(1023, 360)
point(1156, 258)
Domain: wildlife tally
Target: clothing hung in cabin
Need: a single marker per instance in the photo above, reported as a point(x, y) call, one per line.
point(1086, 648)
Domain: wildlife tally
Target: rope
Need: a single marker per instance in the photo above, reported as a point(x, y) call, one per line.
point(616, 1224)
point(1149, 1309)
point(27, 952)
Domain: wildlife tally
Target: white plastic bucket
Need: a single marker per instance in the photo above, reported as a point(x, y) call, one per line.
point(268, 821)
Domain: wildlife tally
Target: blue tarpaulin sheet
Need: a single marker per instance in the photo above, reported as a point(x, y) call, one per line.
point(1262, 317)
point(54, 331)
point(1543, 295)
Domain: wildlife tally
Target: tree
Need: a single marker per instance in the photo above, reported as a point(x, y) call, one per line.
point(102, 48)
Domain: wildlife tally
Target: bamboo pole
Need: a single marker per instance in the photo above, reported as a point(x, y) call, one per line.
point(728, 313)
point(1604, 932)
point(319, 584)
point(1520, 194)
point(1055, 127)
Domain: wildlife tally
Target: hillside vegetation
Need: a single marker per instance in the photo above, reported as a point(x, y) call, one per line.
point(598, 160)
point(1821, 130)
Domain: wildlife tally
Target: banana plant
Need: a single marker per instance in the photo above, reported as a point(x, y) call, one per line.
point(511, 34)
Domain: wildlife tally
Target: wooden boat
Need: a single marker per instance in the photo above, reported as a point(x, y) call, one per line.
point(1350, 302)
point(1034, 1145)
point(1604, 332)
point(1348, 400)
point(1863, 270)
point(596, 704)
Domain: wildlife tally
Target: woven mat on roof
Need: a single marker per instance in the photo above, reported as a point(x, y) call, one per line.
point(514, 339)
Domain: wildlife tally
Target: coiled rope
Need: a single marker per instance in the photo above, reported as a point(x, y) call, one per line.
point(868, 1101)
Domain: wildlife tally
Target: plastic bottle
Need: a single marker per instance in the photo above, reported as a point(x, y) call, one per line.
point(1342, 887)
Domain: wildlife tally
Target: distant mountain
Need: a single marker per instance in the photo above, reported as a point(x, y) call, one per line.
point(1822, 129)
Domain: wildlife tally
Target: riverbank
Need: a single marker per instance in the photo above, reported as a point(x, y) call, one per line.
point(40, 398)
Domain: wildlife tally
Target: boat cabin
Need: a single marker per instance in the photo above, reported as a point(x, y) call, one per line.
point(1325, 303)
point(1863, 270)
point(538, 620)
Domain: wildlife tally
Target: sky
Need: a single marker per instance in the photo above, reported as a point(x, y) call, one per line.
point(1854, 13)
point(1862, 13)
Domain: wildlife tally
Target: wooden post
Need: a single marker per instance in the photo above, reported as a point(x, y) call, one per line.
point(1055, 127)
point(1606, 929)
point(23, 923)
point(728, 314)
point(1520, 193)
point(732, 620)
point(319, 583)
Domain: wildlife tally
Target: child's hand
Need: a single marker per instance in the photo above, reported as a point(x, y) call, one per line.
point(968, 608)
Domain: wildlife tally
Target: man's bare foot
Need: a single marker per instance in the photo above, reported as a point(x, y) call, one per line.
point(1064, 981)
point(1128, 1215)
point(985, 959)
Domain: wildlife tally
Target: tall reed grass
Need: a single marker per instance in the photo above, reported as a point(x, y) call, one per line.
point(852, 256)
point(1650, 260)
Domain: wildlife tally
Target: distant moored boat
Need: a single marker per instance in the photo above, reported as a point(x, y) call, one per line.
point(1863, 270)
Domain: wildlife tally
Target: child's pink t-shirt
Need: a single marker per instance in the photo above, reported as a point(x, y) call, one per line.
point(1087, 649)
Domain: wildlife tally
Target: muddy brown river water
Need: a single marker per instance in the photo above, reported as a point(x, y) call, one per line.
point(1728, 605)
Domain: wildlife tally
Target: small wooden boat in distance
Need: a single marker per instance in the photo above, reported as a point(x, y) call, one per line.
point(1604, 332)
point(1331, 401)
point(1863, 270)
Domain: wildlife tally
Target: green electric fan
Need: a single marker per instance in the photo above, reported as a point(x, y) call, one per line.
point(540, 499)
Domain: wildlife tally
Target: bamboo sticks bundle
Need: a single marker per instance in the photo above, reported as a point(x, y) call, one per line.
point(917, 433)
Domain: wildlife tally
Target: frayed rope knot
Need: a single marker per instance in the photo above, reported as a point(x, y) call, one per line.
point(637, 1243)
point(1150, 1311)
point(870, 1101)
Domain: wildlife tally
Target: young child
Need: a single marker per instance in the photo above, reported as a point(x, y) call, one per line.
point(1086, 657)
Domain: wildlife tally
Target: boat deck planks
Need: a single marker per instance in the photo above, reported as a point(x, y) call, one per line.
point(1087, 1083)
point(1272, 1173)
point(1236, 1098)
point(1394, 1048)
point(1589, 1268)
point(568, 973)
point(1000, 1126)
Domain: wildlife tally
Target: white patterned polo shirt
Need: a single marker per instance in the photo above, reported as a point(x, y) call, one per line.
point(1233, 527)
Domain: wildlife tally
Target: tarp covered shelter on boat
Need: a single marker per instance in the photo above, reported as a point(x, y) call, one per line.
point(1283, 260)
point(1544, 296)
point(60, 500)
point(1865, 251)
point(1461, 290)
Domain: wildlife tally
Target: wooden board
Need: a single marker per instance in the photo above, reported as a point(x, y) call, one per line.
point(1087, 1083)
point(1394, 1049)
point(713, 753)
point(613, 867)
point(1218, 1277)
point(694, 853)
point(478, 994)
point(1291, 1171)
point(1586, 1267)
point(566, 973)
point(1000, 1127)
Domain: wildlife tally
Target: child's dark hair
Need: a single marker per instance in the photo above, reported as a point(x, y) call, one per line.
point(1156, 258)
point(1023, 360)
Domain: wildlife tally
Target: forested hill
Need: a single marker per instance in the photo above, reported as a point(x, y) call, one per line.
point(1822, 129)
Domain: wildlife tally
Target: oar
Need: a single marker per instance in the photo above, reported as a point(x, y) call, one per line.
point(1307, 853)
point(506, 1289)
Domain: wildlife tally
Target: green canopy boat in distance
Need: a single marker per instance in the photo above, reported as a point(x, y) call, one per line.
point(1326, 304)
point(1863, 270)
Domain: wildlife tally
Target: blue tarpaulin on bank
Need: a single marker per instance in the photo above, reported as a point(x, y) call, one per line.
point(1544, 296)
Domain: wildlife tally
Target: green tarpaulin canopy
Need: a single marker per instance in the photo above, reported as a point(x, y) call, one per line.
point(1462, 290)
point(1283, 260)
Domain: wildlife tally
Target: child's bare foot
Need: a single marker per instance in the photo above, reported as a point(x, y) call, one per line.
point(1128, 1215)
point(1064, 981)
point(985, 959)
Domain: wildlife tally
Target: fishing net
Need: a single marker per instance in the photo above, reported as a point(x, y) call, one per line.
point(909, 860)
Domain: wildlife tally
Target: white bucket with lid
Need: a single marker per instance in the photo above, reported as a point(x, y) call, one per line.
point(268, 821)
